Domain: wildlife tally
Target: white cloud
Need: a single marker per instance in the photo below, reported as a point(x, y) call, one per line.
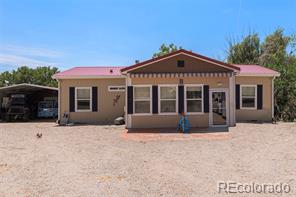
point(31, 51)
point(15, 56)
point(17, 60)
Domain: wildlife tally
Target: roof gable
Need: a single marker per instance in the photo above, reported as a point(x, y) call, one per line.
point(173, 54)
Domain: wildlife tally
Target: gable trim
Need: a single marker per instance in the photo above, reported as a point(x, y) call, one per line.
point(173, 75)
point(183, 52)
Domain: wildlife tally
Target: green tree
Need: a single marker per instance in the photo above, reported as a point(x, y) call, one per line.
point(43, 76)
point(164, 49)
point(24, 74)
point(274, 50)
point(245, 52)
point(275, 55)
point(6, 78)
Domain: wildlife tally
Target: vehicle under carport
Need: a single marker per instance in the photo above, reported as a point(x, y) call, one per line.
point(21, 101)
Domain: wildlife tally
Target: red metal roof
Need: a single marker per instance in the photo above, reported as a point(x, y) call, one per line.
point(255, 69)
point(98, 71)
point(112, 71)
point(177, 52)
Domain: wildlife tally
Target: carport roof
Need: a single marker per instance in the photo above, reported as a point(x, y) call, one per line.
point(25, 87)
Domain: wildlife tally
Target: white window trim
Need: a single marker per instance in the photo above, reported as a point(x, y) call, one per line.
point(117, 90)
point(159, 99)
point(150, 99)
point(90, 103)
point(241, 98)
point(202, 98)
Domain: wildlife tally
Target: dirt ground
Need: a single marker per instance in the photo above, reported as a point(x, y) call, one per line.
point(105, 161)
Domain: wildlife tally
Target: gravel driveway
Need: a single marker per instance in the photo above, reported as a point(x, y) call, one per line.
point(98, 161)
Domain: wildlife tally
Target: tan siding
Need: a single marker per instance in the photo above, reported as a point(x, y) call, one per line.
point(107, 111)
point(262, 115)
point(166, 121)
point(170, 66)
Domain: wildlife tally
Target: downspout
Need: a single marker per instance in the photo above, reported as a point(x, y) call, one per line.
point(272, 97)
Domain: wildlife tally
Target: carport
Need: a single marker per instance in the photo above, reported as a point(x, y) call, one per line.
point(33, 93)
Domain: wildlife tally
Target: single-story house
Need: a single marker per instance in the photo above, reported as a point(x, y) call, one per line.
point(153, 93)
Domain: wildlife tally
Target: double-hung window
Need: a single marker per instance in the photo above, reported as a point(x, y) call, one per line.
point(168, 99)
point(142, 99)
point(83, 99)
point(248, 96)
point(194, 99)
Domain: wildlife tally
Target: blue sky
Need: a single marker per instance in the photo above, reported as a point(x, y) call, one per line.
point(67, 33)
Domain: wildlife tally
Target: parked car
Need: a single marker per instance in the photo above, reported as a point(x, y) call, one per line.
point(47, 109)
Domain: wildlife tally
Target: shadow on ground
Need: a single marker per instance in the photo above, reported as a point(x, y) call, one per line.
point(174, 130)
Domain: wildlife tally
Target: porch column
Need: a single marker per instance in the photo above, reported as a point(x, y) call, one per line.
point(128, 118)
point(59, 100)
point(232, 100)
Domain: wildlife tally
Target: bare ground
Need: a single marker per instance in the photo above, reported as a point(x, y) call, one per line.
point(99, 161)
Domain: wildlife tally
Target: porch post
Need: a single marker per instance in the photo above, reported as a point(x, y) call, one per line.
point(128, 118)
point(232, 100)
point(59, 100)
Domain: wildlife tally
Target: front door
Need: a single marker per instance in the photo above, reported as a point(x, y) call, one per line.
point(218, 108)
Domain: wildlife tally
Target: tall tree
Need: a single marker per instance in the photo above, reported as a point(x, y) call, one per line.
point(6, 78)
point(164, 49)
point(245, 52)
point(43, 76)
point(24, 74)
point(275, 55)
point(274, 49)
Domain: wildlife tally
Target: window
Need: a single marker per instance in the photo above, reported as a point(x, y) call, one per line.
point(116, 88)
point(248, 96)
point(83, 99)
point(142, 99)
point(180, 63)
point(194, 99)
point(168, 99)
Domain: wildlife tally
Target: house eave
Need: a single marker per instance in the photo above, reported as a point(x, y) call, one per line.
point(257, 75)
